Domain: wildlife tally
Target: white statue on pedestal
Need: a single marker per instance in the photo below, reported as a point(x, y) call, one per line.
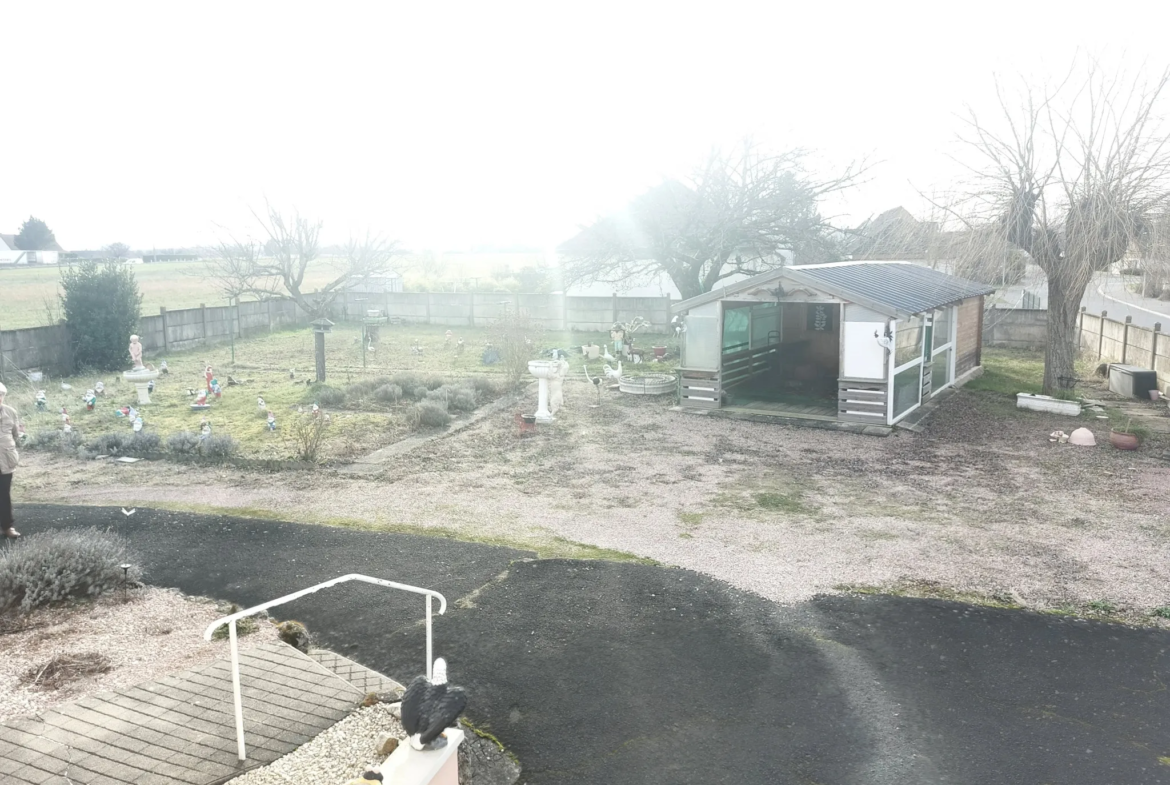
point(135, 352)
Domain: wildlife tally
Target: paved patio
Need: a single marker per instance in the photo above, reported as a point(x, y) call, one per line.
point(180, 730)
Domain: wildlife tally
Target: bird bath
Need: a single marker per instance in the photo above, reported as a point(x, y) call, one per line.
point(543, 370)
point(141, 379)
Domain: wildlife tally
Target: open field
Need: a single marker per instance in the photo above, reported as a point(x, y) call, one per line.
point(30, 292)
point(262, 366)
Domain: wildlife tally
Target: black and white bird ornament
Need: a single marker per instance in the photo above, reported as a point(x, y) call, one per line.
point(430, 706)
point(369, 777)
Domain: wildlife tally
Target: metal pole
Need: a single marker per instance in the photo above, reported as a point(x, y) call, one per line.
point(232, 327)
point(1101, 335)
point(1125, 339)
point(236, 691)
point(430, 658)
point(1154, 347)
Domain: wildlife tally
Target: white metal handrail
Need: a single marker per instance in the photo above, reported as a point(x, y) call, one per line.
point(232, 619)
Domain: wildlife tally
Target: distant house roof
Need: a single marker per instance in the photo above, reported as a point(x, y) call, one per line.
point(891, 288)
point(895, 234)
point(9, 240)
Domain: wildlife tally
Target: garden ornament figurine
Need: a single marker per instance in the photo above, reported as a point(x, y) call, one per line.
point(137, 426)
point(369, 777)
point(260, 403)
point(162, 367)
point(99, 387)
point(271, 421)
point(430, 706)
point(42, 400)
point(135, 352)
point(459, 345)
point(150, 386)
point(90, 400)
point(215, 389)
point(208, 376)
point(205, 430)
point(66, 424)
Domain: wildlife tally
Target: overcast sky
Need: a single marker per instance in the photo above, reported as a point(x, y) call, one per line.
point(451, 125)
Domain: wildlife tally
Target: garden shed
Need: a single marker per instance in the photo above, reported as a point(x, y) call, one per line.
point(858, 341)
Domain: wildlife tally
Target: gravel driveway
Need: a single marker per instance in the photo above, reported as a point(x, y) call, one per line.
point(981, 502)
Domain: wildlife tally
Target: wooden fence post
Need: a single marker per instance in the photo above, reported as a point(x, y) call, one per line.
point(1154, 346)
point(615, 307)
point(203, 308)
point(162, 312)
point(471, 309)
point(269, 301)
point(1101, 335)
point(1125, 338)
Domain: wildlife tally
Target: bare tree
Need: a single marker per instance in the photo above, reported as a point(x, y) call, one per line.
point(741, 212)
point(1069, 175)
point(1153, 252)
point(292, 248)
point(233, 265)
point(117, 251)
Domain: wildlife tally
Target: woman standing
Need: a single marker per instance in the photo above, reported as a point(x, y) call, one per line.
point(9, 433)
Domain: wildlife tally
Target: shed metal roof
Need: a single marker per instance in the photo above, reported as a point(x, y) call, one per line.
point(894, 288)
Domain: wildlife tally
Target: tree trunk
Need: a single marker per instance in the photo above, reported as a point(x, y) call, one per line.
point(1060, 353)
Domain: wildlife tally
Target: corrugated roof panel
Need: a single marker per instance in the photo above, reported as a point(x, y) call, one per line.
point(910, 288)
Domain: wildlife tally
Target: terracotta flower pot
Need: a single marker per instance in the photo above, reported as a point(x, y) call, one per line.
point(659, 351)
point(1123, 441)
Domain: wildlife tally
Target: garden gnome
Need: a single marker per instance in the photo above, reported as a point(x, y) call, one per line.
point(137, 426)
point(215, 390)
point(205, 431)
point(163, 367)
point(459, 346)
point(90, 400)
point(64, 414)
point(135, 352)
point(200, 398)
point(150, 386)
point(67, 425)
point(260, 403)
point(271, 421)
point(99, 387)
point(42, 401)
point(447, 338)
point(208, 376)
point(316, 410)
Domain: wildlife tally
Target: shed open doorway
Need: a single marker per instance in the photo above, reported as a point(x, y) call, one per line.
point(781, 358)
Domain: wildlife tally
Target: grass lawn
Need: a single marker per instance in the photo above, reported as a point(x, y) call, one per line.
point(1011, 371)
point(262, 365)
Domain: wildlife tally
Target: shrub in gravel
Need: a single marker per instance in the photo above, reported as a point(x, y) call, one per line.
point(183, 443)
point(53, 566)
point(220, 447)
point(1162, 612)
point(432, 415)
point(294, 634)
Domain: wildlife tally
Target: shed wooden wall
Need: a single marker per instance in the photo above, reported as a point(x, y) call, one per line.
point(969, 339)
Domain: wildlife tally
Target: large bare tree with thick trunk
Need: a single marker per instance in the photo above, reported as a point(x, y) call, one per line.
point(279, 265)
point(1069, 176)
point(742, 212)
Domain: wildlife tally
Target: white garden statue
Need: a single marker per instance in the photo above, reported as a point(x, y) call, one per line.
point(556, 386)
point(140, 375)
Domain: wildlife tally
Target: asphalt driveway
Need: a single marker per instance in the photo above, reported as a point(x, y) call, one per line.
point(595, 671)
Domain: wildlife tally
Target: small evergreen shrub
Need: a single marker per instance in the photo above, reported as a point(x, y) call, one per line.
point(102, 305)
point(144, 443)
point(220, 447)
point(294, 634)
point(420, 392)
point(434, 382)
point(438, 397)
point(407, 381)
point(51, 440)
point(461, 399)
point(110, 444)
point(484, 387)
point(328, 396)
point(432, 415)
point(388, 393)
point(53, 566)
point(183, 443)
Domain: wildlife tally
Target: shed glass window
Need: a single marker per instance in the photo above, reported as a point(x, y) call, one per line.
point(908, 341)
point(942, 328)
point(907, 389)
point(736, 328)
point(701, 340)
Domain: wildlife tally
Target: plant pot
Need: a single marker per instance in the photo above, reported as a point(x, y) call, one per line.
point(659, 351)
point(1155, 395)
point(1124, 441)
